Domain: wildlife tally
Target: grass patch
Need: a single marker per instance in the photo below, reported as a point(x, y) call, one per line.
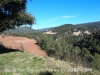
point(22, 63)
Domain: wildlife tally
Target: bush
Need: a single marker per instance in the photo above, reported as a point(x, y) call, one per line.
point(22, 48)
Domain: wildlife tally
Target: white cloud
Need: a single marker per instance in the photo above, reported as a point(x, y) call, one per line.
point(58, 18)
point(67, 16)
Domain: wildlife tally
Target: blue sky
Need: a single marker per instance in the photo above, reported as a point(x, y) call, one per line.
point(52, 13)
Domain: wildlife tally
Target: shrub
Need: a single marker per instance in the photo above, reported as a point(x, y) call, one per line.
point(22, 48)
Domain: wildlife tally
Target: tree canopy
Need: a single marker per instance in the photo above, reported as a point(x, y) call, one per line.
point(13, 14)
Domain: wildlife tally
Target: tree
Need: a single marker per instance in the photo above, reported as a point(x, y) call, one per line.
point(13, 14)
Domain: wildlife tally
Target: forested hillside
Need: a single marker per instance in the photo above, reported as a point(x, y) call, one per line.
point(82, 29)
point(90, 49)
point(81, 49)
point(25, 29)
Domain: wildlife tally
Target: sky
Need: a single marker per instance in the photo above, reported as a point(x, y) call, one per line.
point(52, 13)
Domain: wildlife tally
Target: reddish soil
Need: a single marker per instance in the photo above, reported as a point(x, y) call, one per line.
point(16, 42)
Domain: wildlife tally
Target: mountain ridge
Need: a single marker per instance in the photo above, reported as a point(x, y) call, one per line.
point(91, 26)
point(70, 28)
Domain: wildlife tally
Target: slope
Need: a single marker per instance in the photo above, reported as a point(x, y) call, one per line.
point(22, 63)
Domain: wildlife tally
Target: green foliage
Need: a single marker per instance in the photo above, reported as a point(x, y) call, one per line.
point(96, 62)
point(91, 42)
point(13, 14)
point(90, 49)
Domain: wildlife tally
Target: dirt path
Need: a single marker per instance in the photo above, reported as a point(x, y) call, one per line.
point(16, 42)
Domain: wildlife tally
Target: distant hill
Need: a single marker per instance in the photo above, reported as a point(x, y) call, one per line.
point(70, 29)
point(85, 28)
point(92, 26)
point(44, 29)
point(22, 30)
